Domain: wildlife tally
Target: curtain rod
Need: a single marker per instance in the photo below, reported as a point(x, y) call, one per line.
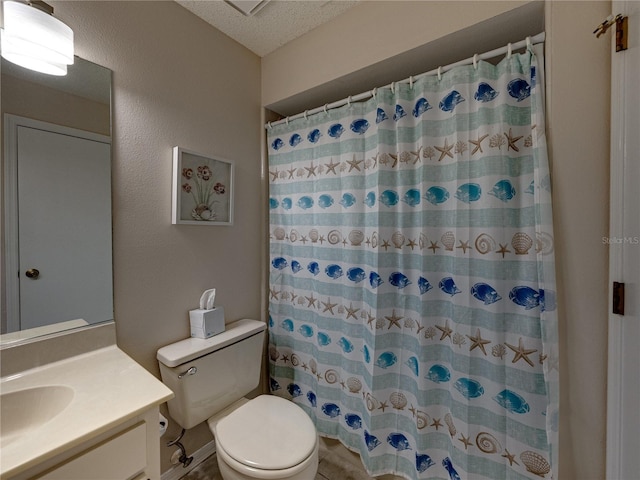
point(539, 38)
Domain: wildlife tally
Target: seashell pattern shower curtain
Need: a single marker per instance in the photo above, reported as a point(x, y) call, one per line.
point(412, 305)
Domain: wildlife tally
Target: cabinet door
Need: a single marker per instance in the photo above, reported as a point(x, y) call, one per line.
point(120, 457)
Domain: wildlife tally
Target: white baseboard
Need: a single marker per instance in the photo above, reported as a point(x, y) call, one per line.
point(200, 455)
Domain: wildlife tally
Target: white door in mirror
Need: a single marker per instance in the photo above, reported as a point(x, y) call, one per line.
point(64, 228)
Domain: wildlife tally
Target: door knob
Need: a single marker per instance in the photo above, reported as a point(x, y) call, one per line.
point(32, 273)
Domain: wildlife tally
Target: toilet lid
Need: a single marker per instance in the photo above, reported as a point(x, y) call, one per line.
point(269, 433)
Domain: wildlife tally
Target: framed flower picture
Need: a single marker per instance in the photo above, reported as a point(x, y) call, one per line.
point(202, 189)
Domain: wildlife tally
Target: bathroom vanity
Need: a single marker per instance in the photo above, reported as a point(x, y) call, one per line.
point(89, 416)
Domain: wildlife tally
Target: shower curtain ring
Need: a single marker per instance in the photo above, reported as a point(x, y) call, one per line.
point(269, 124)
point(411, 82)
point(374, 93)
point(287, 120)
point(305, 114)
point(349, 101)
point(509, 50)
point(393, 87)
point(325, 107)
point(439, 73)
point(528, 44)
point(475, 61)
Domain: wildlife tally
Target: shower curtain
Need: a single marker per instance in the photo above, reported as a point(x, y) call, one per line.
point(412, 307)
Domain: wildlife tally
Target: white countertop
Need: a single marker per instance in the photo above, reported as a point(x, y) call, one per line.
point(109, 388)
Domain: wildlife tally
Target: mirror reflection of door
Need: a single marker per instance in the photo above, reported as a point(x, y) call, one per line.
point(64, 227)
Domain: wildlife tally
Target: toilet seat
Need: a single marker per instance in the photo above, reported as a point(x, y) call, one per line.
point(231, 469)
point(267, 433)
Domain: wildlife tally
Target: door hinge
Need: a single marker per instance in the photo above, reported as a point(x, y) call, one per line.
point(622, 26)
point(618, 298)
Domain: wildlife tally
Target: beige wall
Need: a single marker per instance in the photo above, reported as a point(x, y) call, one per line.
point(364, 35)
point(578, 127)
point(578, 111)
point(176, 81)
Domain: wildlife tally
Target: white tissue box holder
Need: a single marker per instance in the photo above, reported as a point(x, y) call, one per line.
point(206, 323)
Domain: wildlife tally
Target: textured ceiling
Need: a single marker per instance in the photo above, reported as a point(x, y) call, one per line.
point(279, 22)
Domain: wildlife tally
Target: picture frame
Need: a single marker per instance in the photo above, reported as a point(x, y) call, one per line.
point(203, 189)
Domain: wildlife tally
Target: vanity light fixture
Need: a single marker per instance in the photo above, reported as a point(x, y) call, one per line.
point(33, 38)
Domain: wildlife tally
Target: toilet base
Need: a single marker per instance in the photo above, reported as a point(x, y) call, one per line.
point(248, 473)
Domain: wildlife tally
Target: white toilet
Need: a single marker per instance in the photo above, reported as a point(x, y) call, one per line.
point(267, 437)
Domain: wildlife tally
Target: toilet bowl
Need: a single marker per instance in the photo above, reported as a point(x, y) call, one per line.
point(266, 438)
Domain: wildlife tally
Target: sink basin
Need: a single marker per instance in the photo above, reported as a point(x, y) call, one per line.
point(26, 409)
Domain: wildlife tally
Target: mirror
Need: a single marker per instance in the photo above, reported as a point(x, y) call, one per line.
point(57, 250)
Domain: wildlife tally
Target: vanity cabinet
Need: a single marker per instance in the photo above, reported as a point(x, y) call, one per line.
point(127, 448)
point(130, 451)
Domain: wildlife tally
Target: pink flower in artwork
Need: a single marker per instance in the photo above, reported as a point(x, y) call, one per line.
point(186, 187)
point(187, 173)
point(219, 188)
point(204, 172)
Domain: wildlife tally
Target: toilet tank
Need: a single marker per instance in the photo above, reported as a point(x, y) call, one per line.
point(207, 375)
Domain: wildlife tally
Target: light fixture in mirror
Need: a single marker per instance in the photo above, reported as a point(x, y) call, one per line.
point(76, 110)
point(33, 38)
